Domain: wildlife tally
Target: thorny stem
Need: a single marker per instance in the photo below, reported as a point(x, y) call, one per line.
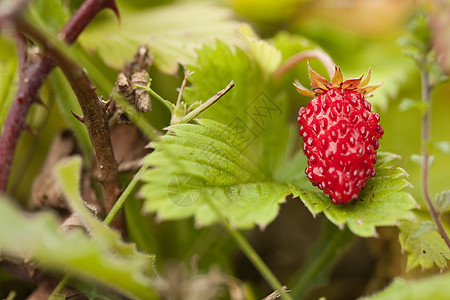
point(95, 116)
point(426, 90)
point(33, 78)
point(324, 58)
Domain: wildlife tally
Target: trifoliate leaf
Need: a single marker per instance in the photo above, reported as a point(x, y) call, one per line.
point(172, 33)
point(267, 56)
point(435, 287)
point(381, 203)
point(199, 166)
point(424, 244)
point(39, 238)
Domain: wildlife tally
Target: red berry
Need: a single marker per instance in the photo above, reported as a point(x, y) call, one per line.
point(340, 135)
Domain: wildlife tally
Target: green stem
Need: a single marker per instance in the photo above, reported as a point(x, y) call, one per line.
point(11, 295)
point(257, 262)
point(124, 196)
point(151, 132)
point(167, 103)
point(252, 255)
point(58, 289)
point(207, 103)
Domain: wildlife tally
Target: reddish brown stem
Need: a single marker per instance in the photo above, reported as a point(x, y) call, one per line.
point(302, 56)
point(94, 110)
point(426, 90)
point(34, 76)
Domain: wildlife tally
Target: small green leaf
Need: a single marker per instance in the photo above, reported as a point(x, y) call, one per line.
point(408, 103)
point(442, 202)
point(215, 68)
point(267, 56)
point(418, 159)
point(435, 287)
point(203, 162)
point(442, 146)
point(424, 244)
point(381, 203)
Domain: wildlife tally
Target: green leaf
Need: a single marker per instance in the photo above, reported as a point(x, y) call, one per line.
point(103, 258)
point(172, 32)
point(424, 244)
point(198, 163)
point(442, 202)
point(408, 103)
point(40, 239)
point(215, 67)
point(67, 173)
point(50, 14)
point(435, 287)
point(381, 203)
point(442, 146)
point(267, 56)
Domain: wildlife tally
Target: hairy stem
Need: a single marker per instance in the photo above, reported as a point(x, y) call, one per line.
point(426, 91)
point(33, 77)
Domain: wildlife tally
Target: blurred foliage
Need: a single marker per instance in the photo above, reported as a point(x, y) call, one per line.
point(209, 39)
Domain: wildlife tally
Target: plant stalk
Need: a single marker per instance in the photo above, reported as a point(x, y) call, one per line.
point(252, 255)
point(34, 76)
point(426, 91)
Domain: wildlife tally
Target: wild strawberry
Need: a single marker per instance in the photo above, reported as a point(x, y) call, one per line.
point(340, 134)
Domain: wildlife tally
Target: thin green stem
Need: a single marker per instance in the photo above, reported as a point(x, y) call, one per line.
point(124, 196)
point(167, 103)
point(207, 103)
point(252, 255)
point(151, 132)
point(58, 289)
point(11, 296)
point(257, 262)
